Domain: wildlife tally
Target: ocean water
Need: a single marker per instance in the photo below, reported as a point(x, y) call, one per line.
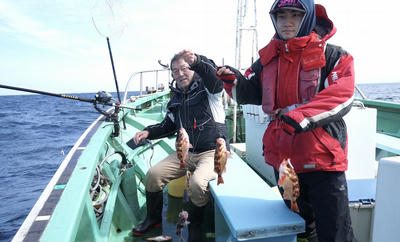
point(37, 132)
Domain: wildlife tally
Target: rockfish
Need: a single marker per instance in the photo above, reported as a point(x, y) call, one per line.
point(289, 181)
point(182, 222)
point(182, 145)
point(220, 158)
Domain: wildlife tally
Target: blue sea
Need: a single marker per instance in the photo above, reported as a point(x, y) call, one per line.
point(37, 132)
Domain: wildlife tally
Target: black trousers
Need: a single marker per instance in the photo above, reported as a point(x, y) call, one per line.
point(324, 205)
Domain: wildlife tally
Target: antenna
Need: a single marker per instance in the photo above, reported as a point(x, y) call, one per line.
point(246, 26)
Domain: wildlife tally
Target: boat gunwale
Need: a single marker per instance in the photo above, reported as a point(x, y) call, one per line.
point(31, 218)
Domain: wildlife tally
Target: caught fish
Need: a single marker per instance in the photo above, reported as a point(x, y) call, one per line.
point(160, 238)
point(182, 145)
point(220, 158)
point(182, 222)
point(289, 181)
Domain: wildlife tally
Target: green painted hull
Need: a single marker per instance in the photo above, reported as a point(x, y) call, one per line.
point(388, 116)
point(72, 217)
point(387, 122)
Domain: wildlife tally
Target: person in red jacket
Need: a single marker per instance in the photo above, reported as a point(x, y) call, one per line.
point(306, 86)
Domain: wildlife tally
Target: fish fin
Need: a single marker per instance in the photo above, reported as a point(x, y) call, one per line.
point(285, 195)
point(183, 165)
point(229, 154)
point(220, 180)
point(281, 180)
point(294, 207)
point(190, 145)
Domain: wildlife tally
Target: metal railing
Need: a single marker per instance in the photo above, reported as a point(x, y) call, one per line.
point(157, 82)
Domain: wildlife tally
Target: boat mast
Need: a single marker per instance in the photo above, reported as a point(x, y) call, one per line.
point(246, 29)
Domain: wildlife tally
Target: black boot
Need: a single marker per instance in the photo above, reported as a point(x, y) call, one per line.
point(154, 201)
point(196, 215)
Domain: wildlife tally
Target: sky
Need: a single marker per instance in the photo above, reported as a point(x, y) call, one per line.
point(60, 46)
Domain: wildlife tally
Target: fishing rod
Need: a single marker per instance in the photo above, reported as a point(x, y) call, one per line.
point(49, 93)
point(101, 97)
point(113, 68)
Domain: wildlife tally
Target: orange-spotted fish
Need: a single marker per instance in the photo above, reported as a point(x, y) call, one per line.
point(220, 158)
point(289, 181)
point(182, 145)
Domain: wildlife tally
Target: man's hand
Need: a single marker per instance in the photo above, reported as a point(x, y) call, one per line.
point(223, 71)
point(140, 135)
point(188, 56)
point(226, 74)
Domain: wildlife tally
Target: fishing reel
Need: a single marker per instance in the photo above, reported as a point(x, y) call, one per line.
point(105, 98)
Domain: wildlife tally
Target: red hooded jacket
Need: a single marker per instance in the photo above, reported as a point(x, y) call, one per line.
point(306, 86)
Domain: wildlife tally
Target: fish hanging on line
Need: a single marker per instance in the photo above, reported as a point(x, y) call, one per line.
point(182, 222)
point(160, 238)
point(182, 145)
point(187, 191)
point(289, 181)
point(220, 158)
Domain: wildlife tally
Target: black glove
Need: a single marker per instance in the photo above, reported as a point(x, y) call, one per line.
point(228, 78)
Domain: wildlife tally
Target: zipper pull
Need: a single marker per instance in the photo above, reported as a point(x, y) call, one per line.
point(286, 48)
point(195, 123)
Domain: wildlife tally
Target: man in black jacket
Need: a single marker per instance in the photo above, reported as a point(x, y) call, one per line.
point(196, 106)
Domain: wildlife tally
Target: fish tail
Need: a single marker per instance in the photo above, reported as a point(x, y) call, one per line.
point(294, 207)
point(220, 180)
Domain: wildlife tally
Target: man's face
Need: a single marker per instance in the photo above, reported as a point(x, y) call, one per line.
point(288, 22)
point(182, 74)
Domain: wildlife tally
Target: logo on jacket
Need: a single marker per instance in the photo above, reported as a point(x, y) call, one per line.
point(334, 76)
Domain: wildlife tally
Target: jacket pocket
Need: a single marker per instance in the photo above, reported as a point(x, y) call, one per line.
point(308, 84)
point(332, 147)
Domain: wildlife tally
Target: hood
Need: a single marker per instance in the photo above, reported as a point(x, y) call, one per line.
point(309, 20)
point(322, 31)
point(324, 27)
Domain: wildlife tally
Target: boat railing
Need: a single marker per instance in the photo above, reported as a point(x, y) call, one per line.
point(360, 92)
point(158, 84)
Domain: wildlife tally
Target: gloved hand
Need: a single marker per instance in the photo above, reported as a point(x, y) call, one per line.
point(226, 74)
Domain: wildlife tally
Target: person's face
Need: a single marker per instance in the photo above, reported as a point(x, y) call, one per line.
point(288, 22)
point(182, 74)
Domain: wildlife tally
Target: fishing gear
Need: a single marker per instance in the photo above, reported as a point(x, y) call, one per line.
point(101, 98)
point(115, 120)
